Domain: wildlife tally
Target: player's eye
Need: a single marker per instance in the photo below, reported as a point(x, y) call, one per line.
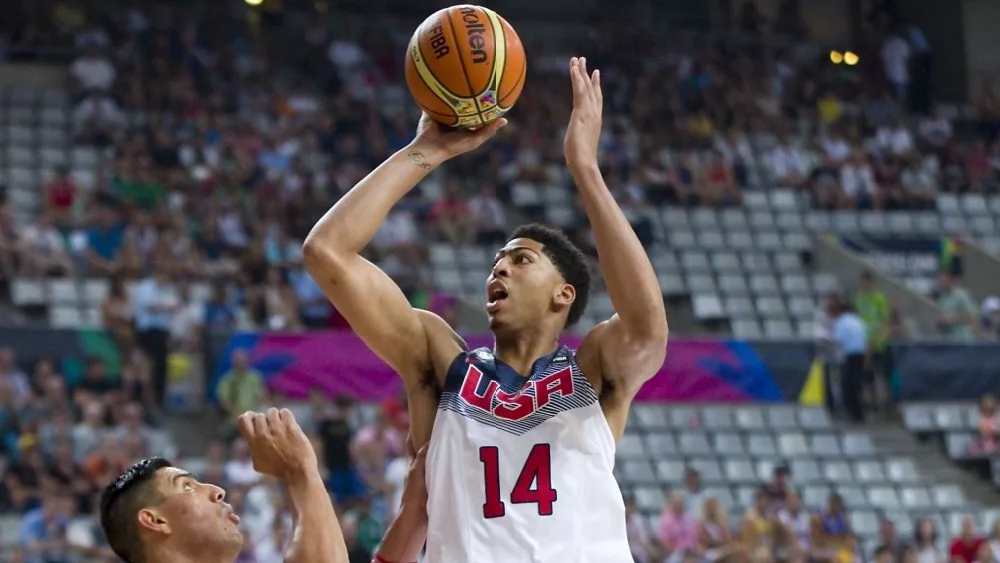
point(188, 486)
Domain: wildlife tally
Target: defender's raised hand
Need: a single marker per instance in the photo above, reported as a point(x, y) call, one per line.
point(584, 129)
point(278, 446)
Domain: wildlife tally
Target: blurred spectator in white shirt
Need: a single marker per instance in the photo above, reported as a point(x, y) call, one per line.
point(894, 138)
point(97, 119)
point(92, 71)
point(788, 163)
point(935, 129)
point(45, 253)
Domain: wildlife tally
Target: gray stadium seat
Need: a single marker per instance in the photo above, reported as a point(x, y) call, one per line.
point(694, 443)
point(902, 470)
point(761, 445)
point(650, 415)
point(683, 417)
point(814, 418)
point(915, 498)
point(724, 495)
point(864, 522)
point(883, 497)
point(782, 417)
point(708, 469)
point(950, 417)
point(918, 418)
point(825, 446)
point(661, 444)
point(638, 472)
point(739, 471)
point(749, 418)
point(793, 444)
point(670, 471)
point(630, 446)
point(869, 471)
point(838, 472)
point(717, 418)
point(816, 496)
point(805, 471)
point(948, 495)
point(729, 444)
point(858, 444)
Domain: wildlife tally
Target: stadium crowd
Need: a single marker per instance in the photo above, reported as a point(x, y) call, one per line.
point(223, 148)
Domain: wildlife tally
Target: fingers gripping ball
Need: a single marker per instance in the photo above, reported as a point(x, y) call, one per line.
point(465, 66)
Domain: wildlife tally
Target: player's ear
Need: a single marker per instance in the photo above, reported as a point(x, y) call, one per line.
point(153, 520)
point(565, 294)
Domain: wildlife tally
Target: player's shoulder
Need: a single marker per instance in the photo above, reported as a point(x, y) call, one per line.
point(443, 343)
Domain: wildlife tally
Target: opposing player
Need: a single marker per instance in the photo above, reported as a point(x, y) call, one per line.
point(520, 462)
point(157, 513)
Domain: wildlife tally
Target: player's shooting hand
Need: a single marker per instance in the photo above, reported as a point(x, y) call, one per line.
point(580, 144)
point(278, 446)
point(440, 142)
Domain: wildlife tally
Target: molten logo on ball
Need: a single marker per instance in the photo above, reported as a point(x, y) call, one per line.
point(475, 29)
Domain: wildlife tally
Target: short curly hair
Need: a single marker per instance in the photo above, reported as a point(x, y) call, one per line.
point(567, 258)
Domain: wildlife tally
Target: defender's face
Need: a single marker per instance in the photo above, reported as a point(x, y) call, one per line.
point(197, 514)
point(524, 285)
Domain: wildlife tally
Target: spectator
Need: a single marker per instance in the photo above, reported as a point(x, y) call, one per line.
point(116, 311)
point(92, 71)
point(98, 120)
point(677, 530)
point(155, 303)
point(959, 314)
point(451, 215)
point(44, 252)
point(857, 180)
point(12, 377)
point(788, 164)
point(896, 55)
point(239, 468)
point(759, 529)
point(694, 494)
point(314, 307)
point(965, 547)
point(777, 489)
point(831, 530)
point(889, 540)
point(241, 388)
point(988, 426)
point(11, 252)
point(925, 542)
point(41, 530)
point(638, 535)
point(88, 433)
point(219, 314)
point(276, 307)
point(96, 386)
point(336, 436)
point(851, 338)
point(715, 538)
point(797, 521)
point(104, 242)
point(994, 542)
point(488, 218)
point(873, 308)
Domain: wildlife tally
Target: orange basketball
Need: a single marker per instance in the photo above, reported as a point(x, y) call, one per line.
point(465, 66)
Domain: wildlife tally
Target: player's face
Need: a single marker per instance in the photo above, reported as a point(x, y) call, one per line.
point(525, 285)
point(197, 515)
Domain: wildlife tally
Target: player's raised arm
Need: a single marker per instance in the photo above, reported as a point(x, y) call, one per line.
point(631, 346)
point(372, 304)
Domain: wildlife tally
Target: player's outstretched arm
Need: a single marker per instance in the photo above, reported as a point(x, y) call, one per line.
point(405, 538)
point(631, 346)
point(370, 301)
point(280, 448)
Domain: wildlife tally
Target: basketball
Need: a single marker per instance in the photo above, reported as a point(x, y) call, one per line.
point(465, 66)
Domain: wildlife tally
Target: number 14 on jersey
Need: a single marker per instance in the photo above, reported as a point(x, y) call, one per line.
point(533, 485)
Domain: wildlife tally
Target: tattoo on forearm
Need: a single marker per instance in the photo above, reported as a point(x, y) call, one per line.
point(420, 160)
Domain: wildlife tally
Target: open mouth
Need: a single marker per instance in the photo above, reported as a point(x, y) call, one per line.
point(232, 516)
point(497, 294)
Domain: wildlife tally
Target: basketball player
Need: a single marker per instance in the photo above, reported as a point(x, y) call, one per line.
point(157, 513)
point(520, 464)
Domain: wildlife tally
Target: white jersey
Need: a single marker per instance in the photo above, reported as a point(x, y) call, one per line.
point(519, 470)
